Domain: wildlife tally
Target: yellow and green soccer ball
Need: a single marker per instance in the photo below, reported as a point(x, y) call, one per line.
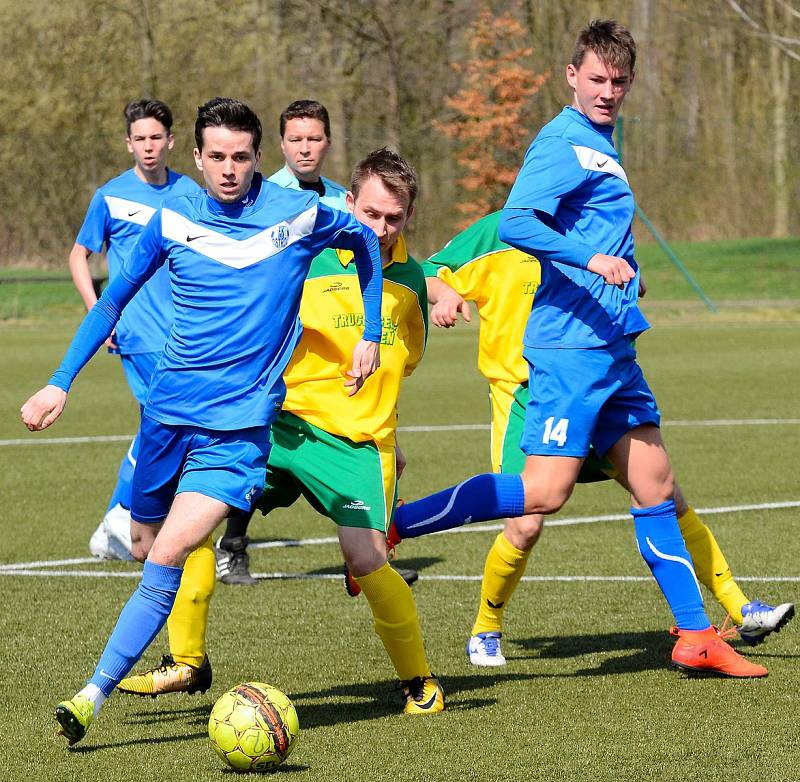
point(253, 727)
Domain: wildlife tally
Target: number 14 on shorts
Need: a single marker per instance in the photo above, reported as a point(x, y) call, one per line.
point(555, 433)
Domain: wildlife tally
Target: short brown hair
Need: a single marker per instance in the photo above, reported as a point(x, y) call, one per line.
point(610, 41)
point(146, 108)
point(396, 174)
point(306, 109)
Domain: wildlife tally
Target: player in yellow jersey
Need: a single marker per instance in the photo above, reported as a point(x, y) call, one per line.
point(340, 451)
point(476, 266)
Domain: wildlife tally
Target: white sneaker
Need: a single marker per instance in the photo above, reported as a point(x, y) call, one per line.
point(117, 526)
point(98, 544)
point(484, 650)
point(761, 619)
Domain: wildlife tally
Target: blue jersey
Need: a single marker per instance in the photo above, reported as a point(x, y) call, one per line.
point(116, 217)
point(570, 201)
point(237, 274)
point(334, 193)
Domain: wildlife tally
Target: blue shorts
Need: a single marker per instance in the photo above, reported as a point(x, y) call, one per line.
point(583, 397)
point(139, 368)
point(229, 466)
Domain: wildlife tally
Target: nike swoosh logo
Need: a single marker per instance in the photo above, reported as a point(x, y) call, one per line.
point(131, 214)
point(103, 673)
point(601, 165)
point(704, 653)
point(429, 703)
point(192, 238)
point(492, 605)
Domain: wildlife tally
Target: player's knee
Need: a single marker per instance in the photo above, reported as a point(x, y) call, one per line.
point(523, 532)
point(363, 562)
point(544, 499)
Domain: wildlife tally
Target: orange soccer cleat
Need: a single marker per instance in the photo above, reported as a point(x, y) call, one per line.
point(703, 651)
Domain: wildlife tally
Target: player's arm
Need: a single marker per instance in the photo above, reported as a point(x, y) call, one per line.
point(548, 176)
point(81, 274)
point(346, 233)
point(46, 405)
point(447, 303)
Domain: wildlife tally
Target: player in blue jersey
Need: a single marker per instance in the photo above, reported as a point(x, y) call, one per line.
point(116, 217)
point(572, 208)
point(305, 130)
point(237, 255)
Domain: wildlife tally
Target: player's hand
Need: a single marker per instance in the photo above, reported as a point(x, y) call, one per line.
point(400, 460)
point(110, 342)
point(366, 360)
point(642, 287)
point(43, 408)
point(614, 270)
point(445, 312)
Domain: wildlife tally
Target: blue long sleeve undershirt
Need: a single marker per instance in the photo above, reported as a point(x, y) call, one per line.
point(95, 329)
point(525, 230)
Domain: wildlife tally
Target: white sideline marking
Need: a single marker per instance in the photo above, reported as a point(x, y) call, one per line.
point(45, 567)
point(117, 438)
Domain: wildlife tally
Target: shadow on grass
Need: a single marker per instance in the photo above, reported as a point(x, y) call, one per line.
point(418, 563)
point(649, 651)
point(85, 750)
point(368, 701)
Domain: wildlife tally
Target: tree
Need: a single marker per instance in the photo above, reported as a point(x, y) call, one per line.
point(488, 125)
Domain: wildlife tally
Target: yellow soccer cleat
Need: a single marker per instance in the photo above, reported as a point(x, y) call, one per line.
point(424, 695)
point(74, 718)
point(169, 676)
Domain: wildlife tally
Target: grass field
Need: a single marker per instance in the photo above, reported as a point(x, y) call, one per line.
point(587, 694)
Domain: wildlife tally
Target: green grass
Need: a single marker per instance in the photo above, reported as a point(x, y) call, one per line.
point(587, 693)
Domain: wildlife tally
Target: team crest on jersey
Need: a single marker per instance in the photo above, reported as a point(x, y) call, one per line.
point(280, 236)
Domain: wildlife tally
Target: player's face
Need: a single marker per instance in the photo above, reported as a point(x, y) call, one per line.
point(599, 89)
point(304, 145)
point(149, 142)
point(383, 211)
point(228, 162)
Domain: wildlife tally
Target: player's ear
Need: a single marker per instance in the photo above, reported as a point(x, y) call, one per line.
point(128, 144)
point(572, 73)
point(170, 141)
point(198, 159)
point(350, 201)
point(258, 158)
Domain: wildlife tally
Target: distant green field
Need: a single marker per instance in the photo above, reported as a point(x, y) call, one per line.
point(587, 694)
point(740, 276)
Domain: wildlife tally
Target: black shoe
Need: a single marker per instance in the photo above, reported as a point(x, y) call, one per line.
point(233, 561)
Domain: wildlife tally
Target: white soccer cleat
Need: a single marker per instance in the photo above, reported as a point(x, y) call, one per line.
point(117, 526)
point(761, 619)
point(484, 650)
point(98, 544)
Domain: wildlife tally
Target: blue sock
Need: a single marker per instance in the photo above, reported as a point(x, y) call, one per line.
point(661, 545)
point(122, 491)
point(480, 498)
point(139, 623)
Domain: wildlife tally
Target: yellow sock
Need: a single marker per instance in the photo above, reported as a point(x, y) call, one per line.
point(710, 565)
point(504, 567)
point(396, 622)
point(189, 617)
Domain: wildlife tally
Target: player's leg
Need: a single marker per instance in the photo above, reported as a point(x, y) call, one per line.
point(641, 459)
point(112, 539)
point(754, 619)
point(508, 556)
point(207, 473)
point(354, 484)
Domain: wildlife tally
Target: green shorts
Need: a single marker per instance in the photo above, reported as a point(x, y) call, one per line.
point(595, 468)
point(354, 484)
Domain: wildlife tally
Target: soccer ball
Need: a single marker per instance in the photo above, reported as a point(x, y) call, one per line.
point(253, 727)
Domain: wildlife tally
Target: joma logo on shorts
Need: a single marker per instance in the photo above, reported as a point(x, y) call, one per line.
point(356, 505)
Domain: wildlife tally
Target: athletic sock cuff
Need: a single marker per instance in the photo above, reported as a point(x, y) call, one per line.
point(662, 509)
point(510, 495)
point(161, 576)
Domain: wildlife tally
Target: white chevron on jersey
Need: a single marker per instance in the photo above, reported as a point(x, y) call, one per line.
point(130, 211)
point(592, 160)
point(237, 253)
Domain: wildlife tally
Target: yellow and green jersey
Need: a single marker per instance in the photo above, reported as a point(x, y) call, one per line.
point(332, 315)
point(501, 281)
